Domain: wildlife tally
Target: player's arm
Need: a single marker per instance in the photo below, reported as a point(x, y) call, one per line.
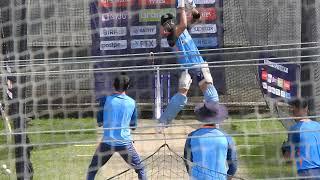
point(183, 23)
point(102, 101)
point(191, 7)
point(287, 147)
point(134, 118)
point(232, 159)
point(286, 150)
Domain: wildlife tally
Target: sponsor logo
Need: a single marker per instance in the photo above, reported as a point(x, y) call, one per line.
point(113, 45)
point(156, 2)
point(204, 28)
point(204, 1)
point(282, 94)
point(264, 75)
point(276, 66)
point(114, 3)
point(143, 30)
point(113, 31)
point(154, 15)
point(288, 95)
point(164, 43)
point(264, 85)
point(269, 78)
point(143, 43)
point(274, 80)
point(114, 16)
point(278, 92)
point(286, 85)
point(206, 42)
point(280, 82)
point(207, 14)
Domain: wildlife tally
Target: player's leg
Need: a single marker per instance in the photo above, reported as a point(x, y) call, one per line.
point(205, 82)
point(101, 156)
point(178, 101)
point(130, 155)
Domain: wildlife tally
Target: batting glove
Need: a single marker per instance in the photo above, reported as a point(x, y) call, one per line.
point(181, 4)
point(189, 4)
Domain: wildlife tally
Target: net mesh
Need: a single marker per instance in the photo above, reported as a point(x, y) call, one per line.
point(58, 23)
point(262, 22)
point(165, 163)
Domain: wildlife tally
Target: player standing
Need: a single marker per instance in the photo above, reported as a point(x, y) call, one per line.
point(209, 148)
point(193, 64)
point(303, 143)
point(119, 114)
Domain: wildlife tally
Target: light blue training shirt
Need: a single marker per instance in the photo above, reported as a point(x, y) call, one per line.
point(119, 112)
point(212, 153)
point(189, 51)
point(305, 138)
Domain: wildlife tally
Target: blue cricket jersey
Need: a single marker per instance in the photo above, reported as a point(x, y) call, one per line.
point(189, 51)
point(306, 144)
point(120, 112)
point(212, 152)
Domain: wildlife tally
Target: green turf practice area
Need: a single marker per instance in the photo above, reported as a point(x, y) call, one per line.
point(63, 147)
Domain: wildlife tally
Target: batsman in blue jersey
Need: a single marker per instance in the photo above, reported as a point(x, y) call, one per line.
point(303, 143)
point(194, 67)
point(118, 113)
point(210, 153)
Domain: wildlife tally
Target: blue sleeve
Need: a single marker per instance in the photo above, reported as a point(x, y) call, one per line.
point(187, 153)
point(287, 145)
point(211, 94)
point(294, 138)
point(102, 101)
point(232, 157)
point(134, 118)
